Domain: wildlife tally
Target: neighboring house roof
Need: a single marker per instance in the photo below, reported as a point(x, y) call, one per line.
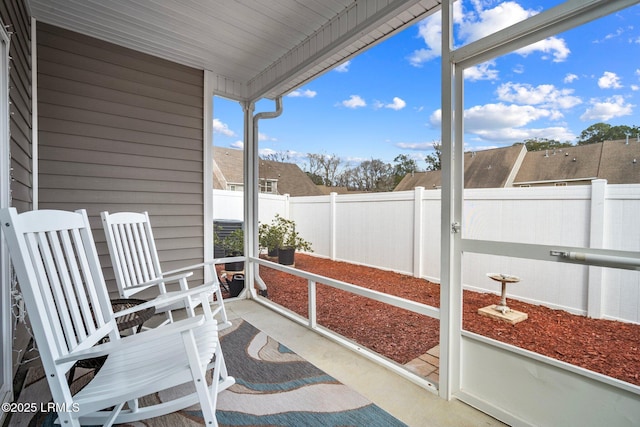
point(228, 169)
point(482, 169)
point(620, 162)
point(610, 160)
point(568, 164)
point(428, 180)
point(615, 161)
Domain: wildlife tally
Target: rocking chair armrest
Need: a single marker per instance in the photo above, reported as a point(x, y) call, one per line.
point(169, 298)
point(106, 348)
point(193, 267)
point(203, 264)
point(163, 279)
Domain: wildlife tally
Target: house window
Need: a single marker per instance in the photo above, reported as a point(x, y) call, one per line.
point(269, 186)
point(235, 187)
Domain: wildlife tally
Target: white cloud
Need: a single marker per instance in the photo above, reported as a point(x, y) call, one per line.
point(511, 135)
point(619, 32)
point(482, 22)
point(478, 23)
point(265, 137)
point(635, 87)
point(238, 144)
point(570, 78)
point(505, 123)
point(397, 104)
point(436, 118)
point(417, 146)
point(343, 68)
point(497, 116)
point(546, 95)
point(430, 30)
point(354, 101)
point(481, 72)
point(608, 109)
point(303, 93)
point(262, 152)
point(553, 45)
point(222, 128)
point(609, 80)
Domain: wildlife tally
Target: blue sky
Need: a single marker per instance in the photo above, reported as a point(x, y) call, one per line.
point(386, 101)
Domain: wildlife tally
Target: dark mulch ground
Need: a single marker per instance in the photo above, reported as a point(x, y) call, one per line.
point(608, 347)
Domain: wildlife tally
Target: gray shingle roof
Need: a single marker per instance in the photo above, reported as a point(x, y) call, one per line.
point(620, 162)
point(228, 169)
point(610, 160)
point(482, 169)
point(566, 164)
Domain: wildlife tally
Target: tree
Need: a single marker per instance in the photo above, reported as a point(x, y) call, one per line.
point(434, 161)
point(600, 132)
point(403, 165)
point(324, 166)
point(375, 175)
point(538, 144)
point(278, 156)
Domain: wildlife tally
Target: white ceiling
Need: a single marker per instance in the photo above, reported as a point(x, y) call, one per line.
point(254, 48)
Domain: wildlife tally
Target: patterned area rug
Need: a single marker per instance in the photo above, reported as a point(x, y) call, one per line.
point(274, 387)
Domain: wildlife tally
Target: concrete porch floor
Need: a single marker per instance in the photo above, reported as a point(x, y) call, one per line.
point(400, 397)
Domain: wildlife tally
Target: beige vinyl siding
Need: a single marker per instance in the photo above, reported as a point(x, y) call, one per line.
point(122, 131)
point(14, 14)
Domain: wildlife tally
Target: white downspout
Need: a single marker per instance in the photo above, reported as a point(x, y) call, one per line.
point(251, 176)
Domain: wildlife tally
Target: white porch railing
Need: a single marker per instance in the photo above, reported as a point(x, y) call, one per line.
point(312, 323)
point(400, 231)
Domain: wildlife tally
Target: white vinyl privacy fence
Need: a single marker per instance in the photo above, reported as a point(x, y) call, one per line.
point(400, 231)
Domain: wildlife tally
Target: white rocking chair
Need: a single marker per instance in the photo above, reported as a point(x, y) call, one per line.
point(59, 274)
point(137, 267)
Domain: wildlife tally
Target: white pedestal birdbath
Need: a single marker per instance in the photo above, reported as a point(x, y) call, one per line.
point(502, 311)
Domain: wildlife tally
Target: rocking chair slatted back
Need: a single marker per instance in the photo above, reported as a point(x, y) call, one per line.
point(133, 249)
point(59, 278)
point(136, 265)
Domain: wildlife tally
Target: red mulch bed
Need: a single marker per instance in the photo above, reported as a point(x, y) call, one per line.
point(608, 347)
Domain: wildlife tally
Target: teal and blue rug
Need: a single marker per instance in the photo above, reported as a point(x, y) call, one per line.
point(274, 387)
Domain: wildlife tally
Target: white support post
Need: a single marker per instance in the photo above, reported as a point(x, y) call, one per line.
point(449, 336)
point(418, 232)
point(35, 146)
point(332, 226)
point(250, 195)
point(287, 206)
point(596, 240)
point(207, 171)
point(313, 314)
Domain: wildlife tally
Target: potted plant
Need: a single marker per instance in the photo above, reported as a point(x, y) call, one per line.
point(270, 238)
point(233, 245)
point(282, 234)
